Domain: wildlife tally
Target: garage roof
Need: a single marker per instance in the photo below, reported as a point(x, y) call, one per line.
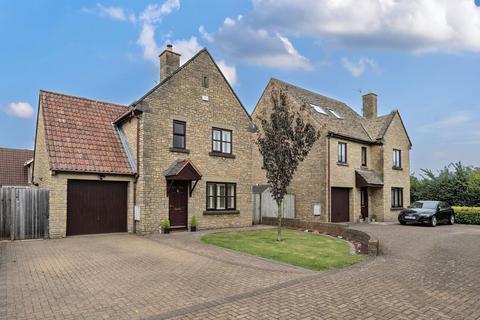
point(80, 136)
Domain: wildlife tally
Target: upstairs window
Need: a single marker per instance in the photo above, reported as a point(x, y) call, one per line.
point(179, 134)
point(336, 114)
point(397, 159)
point(364, 156)
point(397, 197)
point(319, 109)
point(342, 152)
point(221, 140)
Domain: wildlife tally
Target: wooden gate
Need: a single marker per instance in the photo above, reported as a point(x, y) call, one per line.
point(265, 206)
point(23, 213)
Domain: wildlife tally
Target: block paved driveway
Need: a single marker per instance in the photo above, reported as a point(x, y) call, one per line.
point(422, 273)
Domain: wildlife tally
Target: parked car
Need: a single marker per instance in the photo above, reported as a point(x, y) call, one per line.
point(427, 212)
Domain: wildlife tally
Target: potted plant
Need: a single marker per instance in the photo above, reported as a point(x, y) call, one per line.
point(374, 217)
point(193, 224)
point(166, 226)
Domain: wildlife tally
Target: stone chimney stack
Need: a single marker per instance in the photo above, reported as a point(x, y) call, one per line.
point(370, 105)
point(169, 62)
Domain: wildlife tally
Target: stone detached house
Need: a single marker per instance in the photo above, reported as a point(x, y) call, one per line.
point(359, 167)
point(15, 167)
point(183, 149)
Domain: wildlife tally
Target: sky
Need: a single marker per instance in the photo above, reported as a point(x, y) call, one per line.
point(421, 57)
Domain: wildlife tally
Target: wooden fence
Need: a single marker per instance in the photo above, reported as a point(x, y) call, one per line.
point(265, 206)
point(23, 213)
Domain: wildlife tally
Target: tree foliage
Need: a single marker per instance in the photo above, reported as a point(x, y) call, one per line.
point(455, 184)
point(284, 141)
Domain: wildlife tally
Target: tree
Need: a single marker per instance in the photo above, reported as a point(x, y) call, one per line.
point(284, 141)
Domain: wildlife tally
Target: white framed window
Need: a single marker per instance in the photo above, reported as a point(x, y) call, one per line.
point(397, 158)
point(319, 109)
point(342, 152)
point(335, 113)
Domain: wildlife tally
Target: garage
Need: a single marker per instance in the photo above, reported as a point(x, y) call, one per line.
point(340, 205)
point(96, 207)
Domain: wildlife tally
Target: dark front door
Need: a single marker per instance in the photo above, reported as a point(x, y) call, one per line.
point(96, 207)
point(178, 198)
point(340, 205)
point(364, 202)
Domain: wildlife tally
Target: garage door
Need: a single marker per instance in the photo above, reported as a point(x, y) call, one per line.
point(96, 207)
point(340, 205)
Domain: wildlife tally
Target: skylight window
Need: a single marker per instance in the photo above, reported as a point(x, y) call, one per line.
point(335, 113)
point(319, 109)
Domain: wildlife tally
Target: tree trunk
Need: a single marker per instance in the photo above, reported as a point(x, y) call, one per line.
point(279, 219)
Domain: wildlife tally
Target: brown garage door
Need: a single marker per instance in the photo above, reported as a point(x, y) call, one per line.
point(340, 205)
point(96, 207)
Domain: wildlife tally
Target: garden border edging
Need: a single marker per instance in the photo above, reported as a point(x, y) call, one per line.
point(369, 244)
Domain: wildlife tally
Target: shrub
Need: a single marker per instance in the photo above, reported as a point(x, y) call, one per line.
point(467, 215)
point(193, 221)
point(166, 223)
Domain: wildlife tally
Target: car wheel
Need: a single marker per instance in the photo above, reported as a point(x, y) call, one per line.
point(433, 221)
point(451, 220)
point(402, 222)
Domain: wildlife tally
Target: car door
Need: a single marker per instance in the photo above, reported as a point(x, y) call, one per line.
point(442, 211)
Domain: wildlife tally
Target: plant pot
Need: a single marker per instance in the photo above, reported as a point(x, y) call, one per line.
point(193, 229)
point(165, 230)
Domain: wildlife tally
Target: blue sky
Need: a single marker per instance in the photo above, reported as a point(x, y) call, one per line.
point(421, 57)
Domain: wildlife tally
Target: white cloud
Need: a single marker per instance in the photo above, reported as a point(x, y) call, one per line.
point(239, 40)
point(229, 71)
point(451, 122)
point(115, 13)
point(205, 35)
point(414, 25)
point(359, 67)
point(150, 18)
point(186, 47)
point(19, 109)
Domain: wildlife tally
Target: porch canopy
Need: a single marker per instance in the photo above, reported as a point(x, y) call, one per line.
point(182, 170)
point(368, 178)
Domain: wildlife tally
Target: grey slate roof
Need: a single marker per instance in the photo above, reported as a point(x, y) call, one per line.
point(352, 124)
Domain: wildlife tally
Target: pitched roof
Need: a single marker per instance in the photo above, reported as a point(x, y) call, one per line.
point(13, 171)
point(80, 136)
point(204, 50)
point(182, 170)
point(368, 178)
point(350, 124)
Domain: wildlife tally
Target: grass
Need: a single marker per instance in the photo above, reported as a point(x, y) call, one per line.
point(307, 250)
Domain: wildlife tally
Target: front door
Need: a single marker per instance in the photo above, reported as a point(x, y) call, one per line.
point(340, 205)
point(364, 202)
point(178, 209)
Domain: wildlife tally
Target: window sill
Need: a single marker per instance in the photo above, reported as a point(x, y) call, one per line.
point(397, 168)
point(344, 164)
point(220, 212)
point(363, 167)
point(222, 155)
point(396, 209)
point(179, 150)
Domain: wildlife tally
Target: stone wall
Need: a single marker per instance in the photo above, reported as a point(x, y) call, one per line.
point(180, 98)
point(395, 138)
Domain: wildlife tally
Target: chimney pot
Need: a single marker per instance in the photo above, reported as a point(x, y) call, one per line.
point(169, 62)
point(370, 105)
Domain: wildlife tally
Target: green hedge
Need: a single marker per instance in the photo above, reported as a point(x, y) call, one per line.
point(467, 215)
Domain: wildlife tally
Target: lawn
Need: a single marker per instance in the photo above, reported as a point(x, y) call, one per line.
point(311, 251)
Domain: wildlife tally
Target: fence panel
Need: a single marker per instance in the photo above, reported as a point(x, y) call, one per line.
point(23, 213)
point(269, 207)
